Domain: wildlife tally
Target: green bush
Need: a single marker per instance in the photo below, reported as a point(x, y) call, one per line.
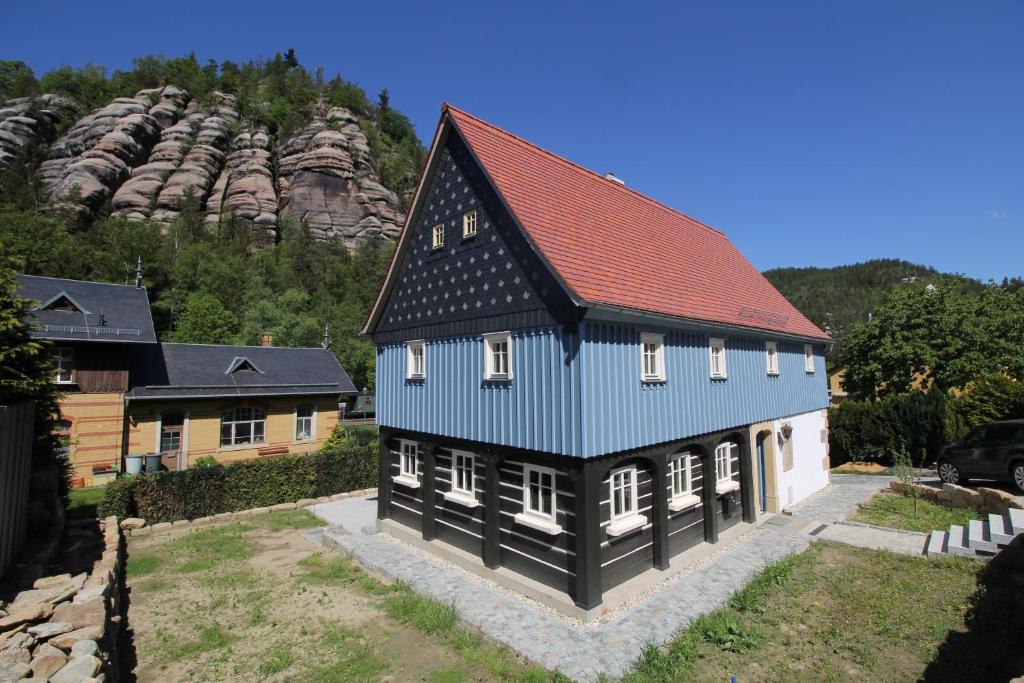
point(117, 500)
point(878, 430)
point(213, 489)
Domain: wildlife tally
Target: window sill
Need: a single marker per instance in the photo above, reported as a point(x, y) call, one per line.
point(242, 446)
point(653, 380)
point(773, 374)
point(719, 376)
point(727, 487)
point(497, 378)
point(415, 378)
point(545, 525)
point(408, 482)
point(463, 499)
point(626, 524)
point(683, 502)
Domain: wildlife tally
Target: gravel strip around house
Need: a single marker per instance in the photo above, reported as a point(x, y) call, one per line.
point(581, 651)
point(838, 500)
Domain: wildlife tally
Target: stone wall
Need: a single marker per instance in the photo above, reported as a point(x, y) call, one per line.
point(983, 500)
point(65, 627)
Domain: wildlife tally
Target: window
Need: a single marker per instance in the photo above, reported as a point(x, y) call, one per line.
point(438, 235)
point(717, 347)
point(498, 356)
point(652, 358)
point(415, 360)
point(469, 224)
point(808, 358)
point(771, 353)
point(242, 425)
point(623, 493)
point(462, 473)
point(724, 455)
point(305, 421)
point(63, 360)
point(680, 472)
point(408, 464)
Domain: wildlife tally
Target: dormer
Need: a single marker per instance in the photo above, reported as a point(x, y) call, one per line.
point(62, 301)
point(242, 364)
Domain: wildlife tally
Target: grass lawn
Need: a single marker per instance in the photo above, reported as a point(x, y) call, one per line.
point(82, 502)
point(255, 601)
point(898, 512)
point(840, 613)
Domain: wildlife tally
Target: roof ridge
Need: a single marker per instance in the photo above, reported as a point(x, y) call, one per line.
point(87, 282)
point(246, 346)
point(558, 157)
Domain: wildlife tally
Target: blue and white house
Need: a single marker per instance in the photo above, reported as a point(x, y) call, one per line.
point(576, 383)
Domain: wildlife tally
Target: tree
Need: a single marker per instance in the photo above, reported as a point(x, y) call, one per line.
point(16, 79)
point(205, 320)
point(939, 336)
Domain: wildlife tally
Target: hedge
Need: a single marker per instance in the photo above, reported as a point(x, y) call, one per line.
point(204, 491)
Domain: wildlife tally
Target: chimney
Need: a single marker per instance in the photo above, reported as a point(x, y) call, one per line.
point(267, 339)
point(615, 179)
point(138, 272)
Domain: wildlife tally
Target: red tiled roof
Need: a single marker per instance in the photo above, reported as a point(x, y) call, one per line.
point(612, 245)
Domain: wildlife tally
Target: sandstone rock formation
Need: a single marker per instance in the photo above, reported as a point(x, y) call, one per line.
point(28, 119)
point(326, 181)
point(148, 152)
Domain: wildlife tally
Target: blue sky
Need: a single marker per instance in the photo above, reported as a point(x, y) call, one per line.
point(812, 133)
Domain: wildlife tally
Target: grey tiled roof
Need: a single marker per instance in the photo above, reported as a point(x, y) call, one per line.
point(209, 370)
point(107, 312)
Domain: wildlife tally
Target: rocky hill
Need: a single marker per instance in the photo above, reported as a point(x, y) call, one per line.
point(145, 154)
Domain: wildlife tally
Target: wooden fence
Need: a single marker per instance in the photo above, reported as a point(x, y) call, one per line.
point(15, 465)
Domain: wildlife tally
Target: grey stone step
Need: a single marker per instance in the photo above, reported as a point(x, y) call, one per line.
point(1017, 520)
point(978, 537)
point(958, 543)
point(937, 543)
point(999, 529)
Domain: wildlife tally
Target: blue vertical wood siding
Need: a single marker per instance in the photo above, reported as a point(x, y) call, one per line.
point(621, 412)
point(537, 410)
point(580, 393)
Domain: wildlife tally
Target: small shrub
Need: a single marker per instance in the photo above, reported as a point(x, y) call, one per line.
point(205, 461)
point(117, 500)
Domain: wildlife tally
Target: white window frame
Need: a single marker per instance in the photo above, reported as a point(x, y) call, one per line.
point(658, 356)
point(460, 494)
point(771, 356)
point(411, 478)
point(538, 518)
point(725, 484)
point(469, 224)
point(252, 421)
point(680, 470)
point(437, 236)
point(624, 480)
point(809, 358)
point(716, 344)
point(312, 422)
point(411, 371)
point(63, 359)
point(490, 340)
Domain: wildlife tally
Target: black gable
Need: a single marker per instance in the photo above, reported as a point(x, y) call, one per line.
point(487, 282)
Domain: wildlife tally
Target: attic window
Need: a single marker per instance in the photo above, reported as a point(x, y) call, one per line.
point(438, 236)
point(469, 224)
point(242, 364)
point(62, 302)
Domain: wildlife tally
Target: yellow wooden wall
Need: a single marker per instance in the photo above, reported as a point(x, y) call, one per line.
point(203, 427)
point(97, 423)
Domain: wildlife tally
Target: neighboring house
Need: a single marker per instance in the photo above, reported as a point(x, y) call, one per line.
point(125, 393)
point(575, 382)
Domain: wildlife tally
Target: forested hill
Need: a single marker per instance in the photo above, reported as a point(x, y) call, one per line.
point(836, 298)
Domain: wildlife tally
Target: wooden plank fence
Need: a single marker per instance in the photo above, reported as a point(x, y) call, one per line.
point(15, 465)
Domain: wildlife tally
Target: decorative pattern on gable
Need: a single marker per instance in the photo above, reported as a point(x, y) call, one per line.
point(492, 280)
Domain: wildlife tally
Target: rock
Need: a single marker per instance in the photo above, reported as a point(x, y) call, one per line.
point(52, 594)
point(162, 526)
point(85, 647)
point(133, 523)
point(51, 581)
point(77, 669)
point(47, 665)
point(89, 613)
point(259, 511)
point(50, 628)
point(90, 593)
point(26, 614)
point(305, 502)
point(46, 649)
point(66, 641)
point(13, 671)
point(281, 507)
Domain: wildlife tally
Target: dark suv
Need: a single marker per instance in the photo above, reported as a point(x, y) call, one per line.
point(990, 451)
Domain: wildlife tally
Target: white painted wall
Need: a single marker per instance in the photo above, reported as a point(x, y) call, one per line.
point(807, 475)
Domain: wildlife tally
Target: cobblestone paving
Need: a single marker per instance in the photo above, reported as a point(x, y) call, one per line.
point(838, 500)
point(608, 647)
point(904, 542)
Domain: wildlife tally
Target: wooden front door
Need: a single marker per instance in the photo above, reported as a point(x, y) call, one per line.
point(171, 435)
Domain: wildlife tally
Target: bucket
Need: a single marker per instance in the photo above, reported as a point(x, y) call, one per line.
point(133, 464)
point(152, 462)
point(78, 483)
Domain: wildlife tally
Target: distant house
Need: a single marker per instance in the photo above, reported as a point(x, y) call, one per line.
point(575, 382)
point(125, 393)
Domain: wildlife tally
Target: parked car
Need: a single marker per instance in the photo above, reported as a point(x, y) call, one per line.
point(989, 451)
